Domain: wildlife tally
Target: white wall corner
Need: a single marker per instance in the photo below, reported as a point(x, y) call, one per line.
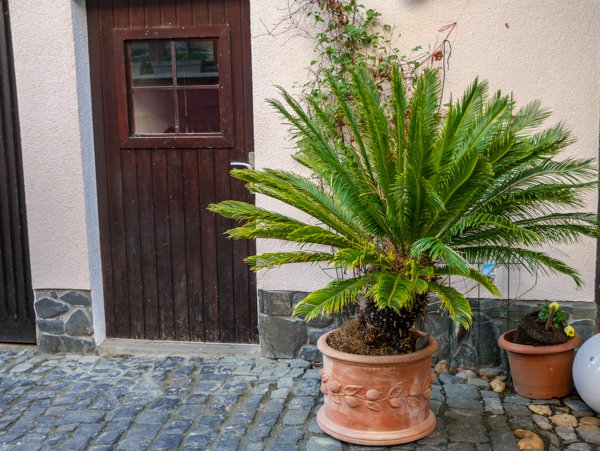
point(86, 133)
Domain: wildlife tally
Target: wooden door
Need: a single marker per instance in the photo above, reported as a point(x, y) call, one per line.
point(171, 88)
point(17, 319)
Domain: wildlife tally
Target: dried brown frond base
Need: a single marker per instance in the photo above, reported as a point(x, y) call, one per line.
point(531, 332)
point(356, 337)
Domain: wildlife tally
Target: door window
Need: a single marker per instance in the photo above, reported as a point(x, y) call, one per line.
point(178, 88)
point(174, 86)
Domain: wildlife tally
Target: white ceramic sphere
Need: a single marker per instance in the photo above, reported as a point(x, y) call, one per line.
point(586, 372)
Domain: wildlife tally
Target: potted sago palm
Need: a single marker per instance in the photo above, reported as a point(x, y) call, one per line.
point(541, 352)
point(404, 192)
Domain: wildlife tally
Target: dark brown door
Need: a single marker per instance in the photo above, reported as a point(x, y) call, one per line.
point(17, 319)
point(171, 90)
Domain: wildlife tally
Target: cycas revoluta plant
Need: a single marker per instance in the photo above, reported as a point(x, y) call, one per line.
point(419, 194)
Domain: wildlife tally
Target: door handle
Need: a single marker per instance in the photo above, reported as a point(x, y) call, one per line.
point(242, 164)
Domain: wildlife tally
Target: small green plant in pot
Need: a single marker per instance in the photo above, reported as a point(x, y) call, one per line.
point(418, 193)
point(541, 352)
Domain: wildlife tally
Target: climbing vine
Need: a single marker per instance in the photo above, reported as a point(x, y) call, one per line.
point(346, 33)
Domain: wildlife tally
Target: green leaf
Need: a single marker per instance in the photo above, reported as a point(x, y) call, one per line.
point(333, 298)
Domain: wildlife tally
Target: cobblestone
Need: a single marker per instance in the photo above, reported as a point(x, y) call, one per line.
point(227, 403)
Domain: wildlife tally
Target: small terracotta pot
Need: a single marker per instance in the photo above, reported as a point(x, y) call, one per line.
point(372, 400)
point(540, 372)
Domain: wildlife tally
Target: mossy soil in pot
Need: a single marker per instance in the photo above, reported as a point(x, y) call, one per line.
point(531, 332)
point(359, 338)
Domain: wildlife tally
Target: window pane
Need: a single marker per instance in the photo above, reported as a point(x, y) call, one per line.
point(199, 111)
point(153, 111)
point(150, 63)
point(197, 62)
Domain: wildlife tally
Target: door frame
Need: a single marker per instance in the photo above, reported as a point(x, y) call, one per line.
point(100, 75)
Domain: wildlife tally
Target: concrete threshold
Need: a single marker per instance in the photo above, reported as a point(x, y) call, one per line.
point(124, 346)
point(14, 347)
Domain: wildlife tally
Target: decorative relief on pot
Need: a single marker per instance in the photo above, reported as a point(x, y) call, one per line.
point(402, 395)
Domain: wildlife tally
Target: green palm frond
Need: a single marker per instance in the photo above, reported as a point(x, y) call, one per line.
point(454, 302)
point(403, 192)
point(333, 298)
point(269, 260)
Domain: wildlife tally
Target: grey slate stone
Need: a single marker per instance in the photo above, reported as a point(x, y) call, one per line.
point(463, 403)
point(516, 399)
point(275, 303)
point(550, 438)
point(579, 447)
point(290, 435)
point(168, 441)
point(584, 327)
point(295, 417)
point(323, 444)
point(566, 434)
point(489, 394)
point(76, 298)
point(436, 393)
point(281, 337)
point(79, 324)
point(310, 353)
point(503, 441)
point(52, 326)
point(315, 333)
point(591, 434)
point(438, 436)
point(576, 404)
point(78, 345)
point(459, 390)
point(51, 344)
point(542, 422)
point(49, 308)
point(447, 379)
point(321, 322)
point(460, 447)
point(493, 406)
point(517, 409)
point(478, 382)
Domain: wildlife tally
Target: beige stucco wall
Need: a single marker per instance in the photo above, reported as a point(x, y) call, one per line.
point(538, 49)
point(44, 54)
point(546, 49)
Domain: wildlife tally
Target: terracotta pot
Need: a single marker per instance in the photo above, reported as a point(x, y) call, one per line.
point(376, 400)
point(540, 372)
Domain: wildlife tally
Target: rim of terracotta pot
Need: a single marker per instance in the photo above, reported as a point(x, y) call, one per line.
point(368, 360)
point(506, 343)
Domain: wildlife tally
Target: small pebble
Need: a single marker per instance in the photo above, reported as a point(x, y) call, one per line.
point(531, 443)
point(540, 409)
point(591, 421)
point(564, 420)
point(466, 374)
point(498, 386)
point(528, 439)
point(442, 367)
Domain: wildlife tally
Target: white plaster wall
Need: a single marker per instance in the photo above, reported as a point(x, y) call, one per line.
point(538, 49)
point(47, 90)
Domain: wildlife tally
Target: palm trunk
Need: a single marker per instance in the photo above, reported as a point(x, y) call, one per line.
point(387, 326)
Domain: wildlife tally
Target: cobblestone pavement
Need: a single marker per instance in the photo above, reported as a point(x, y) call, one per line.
point(240, 402)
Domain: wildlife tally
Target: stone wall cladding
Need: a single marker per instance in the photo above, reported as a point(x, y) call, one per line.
point(282, 336)
point(64, 321)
